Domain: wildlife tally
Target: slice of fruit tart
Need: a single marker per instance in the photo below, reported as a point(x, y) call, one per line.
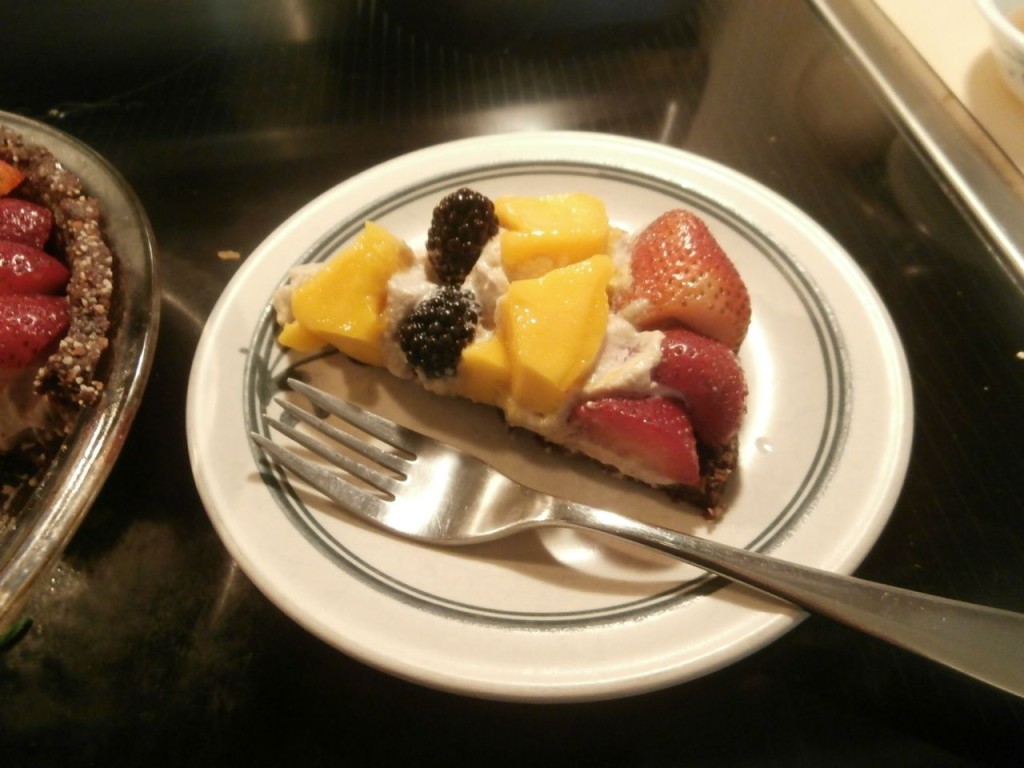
point(56, 284)
point(620, 346)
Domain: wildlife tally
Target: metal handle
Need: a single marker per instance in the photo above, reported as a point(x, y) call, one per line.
point(984, 643)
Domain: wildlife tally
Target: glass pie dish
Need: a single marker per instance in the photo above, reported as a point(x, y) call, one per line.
point(39, 523)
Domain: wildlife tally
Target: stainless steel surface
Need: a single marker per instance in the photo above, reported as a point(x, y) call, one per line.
point(986, 182)
point(148, 646)
point(411, 498)
point(46, 521)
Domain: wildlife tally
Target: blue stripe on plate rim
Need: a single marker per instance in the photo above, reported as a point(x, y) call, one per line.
point(267, 366)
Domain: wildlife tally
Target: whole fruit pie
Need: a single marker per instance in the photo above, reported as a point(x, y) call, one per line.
point(619, 346)
point(56, 283)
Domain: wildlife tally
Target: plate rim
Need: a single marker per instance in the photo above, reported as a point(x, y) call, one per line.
point(548, 140)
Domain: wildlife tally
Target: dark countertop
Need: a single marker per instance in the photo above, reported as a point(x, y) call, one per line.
point(148, 646)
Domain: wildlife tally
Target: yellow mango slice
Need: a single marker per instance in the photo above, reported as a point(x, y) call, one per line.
point(295, 336)
point(344, 302)
point(484, 371)
point(545, 233)
point(553, 328)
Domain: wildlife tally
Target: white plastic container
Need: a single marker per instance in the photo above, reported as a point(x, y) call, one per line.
point(1006, 19)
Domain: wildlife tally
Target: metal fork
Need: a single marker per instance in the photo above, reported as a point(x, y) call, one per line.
point(432, 492)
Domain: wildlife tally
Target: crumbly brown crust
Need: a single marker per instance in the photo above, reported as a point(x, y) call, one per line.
point(69, 374)
point(717, 463)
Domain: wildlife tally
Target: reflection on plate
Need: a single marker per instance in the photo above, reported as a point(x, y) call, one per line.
point(559, 614)
point(50, 515)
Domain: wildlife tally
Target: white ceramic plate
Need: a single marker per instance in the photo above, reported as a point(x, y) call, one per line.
point(561, 615)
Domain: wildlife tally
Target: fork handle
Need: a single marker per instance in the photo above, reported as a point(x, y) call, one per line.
point(984, 643)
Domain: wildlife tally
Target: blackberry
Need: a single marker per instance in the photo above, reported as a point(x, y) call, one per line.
point(434, 334)
point(461, 225)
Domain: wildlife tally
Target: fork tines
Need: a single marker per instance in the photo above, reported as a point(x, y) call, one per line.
point(322, 478)
point(370, 423)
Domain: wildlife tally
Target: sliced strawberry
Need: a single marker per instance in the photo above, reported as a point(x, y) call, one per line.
point(25, 222)
point(10, 177)
point(708, 377)
point(653, 430)
point(681, 276)
point(24, 269)
point(29, 325)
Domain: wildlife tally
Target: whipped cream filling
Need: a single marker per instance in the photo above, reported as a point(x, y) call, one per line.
point(406, 289)
point(488, 281)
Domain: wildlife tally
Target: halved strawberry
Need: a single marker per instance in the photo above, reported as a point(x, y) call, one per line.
point(29, 325)
point(10, 177)
point(26, 270)
point(654, 430)
point(682, 277)
point(25, 222)
point(709, 378)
